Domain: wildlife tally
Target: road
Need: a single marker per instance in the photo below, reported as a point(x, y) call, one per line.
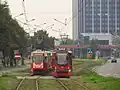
point(109, 69)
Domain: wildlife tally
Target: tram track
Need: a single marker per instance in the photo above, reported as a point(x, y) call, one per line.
point(19, 85)
point(67, 85)
point(22, 84)
point(37, 84)
point(81, 85)
point(63, 85)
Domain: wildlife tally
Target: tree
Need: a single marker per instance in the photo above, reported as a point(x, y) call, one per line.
point(116, 41)
point(68, 42)
point(41, 40)
point(12, 35)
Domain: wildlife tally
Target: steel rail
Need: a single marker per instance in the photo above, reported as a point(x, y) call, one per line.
point(63, 85)
point(19, 85)
point(81, 85)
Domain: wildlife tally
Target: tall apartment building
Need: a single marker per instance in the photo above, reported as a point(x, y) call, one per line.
point(96, 17)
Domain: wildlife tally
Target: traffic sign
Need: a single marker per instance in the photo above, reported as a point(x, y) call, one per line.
point(17, 56)
point(90, 55)
point(89, 50)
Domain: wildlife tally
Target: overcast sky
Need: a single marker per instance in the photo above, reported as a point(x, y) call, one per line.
point(44, 11)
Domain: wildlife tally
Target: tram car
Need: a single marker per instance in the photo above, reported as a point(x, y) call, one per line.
point(40, 62)
point(49, 57)
point(63, 68)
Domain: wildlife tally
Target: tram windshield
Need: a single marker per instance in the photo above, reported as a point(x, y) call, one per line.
point(62, 50)
point(38, 58)
point(62, 59)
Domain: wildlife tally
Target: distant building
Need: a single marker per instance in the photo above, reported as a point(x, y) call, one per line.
point(101, 37)
point(96, 16)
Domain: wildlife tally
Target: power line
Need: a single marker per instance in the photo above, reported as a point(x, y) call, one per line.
point(23, 5)
point(74, 16)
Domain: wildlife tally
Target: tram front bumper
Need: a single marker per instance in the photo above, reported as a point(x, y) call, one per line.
point(62, 74)
point(40, 69)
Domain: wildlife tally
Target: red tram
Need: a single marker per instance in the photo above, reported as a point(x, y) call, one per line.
point(62, 67)
point(40, 62)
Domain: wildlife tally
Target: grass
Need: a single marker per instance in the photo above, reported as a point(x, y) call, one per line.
point(106, 83)
point(49, 85)
point(72, 85)
point(81, 68)
point(94, 81)
point(24, 71)
point(6, 83)
point(28, 85)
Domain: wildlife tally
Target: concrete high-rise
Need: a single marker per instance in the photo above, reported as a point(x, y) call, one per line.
point(96, 16)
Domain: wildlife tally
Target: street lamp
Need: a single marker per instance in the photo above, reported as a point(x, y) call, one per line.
point(49, 26)
point(61, 22)
point(39, 25)
point(30, 20)
point(19, 15)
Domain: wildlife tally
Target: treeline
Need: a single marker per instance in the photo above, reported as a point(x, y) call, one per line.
point(41, 40)
point(13, 37)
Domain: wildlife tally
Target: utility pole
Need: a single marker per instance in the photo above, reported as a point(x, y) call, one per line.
point(64, 38)
point(23, 5)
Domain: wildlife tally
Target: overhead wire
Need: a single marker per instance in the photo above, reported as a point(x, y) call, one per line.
point(73, 17)
point(24, 9)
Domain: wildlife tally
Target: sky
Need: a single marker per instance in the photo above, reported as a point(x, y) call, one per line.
point(44, 11)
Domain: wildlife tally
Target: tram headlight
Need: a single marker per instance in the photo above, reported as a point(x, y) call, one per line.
point(68, 67)
point(55, 69)
point(69, 70)
point(34, 66)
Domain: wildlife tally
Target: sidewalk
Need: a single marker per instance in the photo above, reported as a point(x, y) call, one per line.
point(12, 69)
point(8, 70)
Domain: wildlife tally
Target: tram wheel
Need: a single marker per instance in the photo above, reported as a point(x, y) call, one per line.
point(68, 77)
point(32, 74)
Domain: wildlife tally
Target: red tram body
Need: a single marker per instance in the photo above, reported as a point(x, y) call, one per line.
point(62, 67)
point(40, 62)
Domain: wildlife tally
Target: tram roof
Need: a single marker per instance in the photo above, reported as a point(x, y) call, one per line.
point(48, 51)
point(38, 51)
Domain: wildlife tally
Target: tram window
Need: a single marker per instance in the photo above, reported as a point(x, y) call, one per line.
point(61, 59)
point(45, 58)
point(32, 59)
point(38, 58)
point(49, 56)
